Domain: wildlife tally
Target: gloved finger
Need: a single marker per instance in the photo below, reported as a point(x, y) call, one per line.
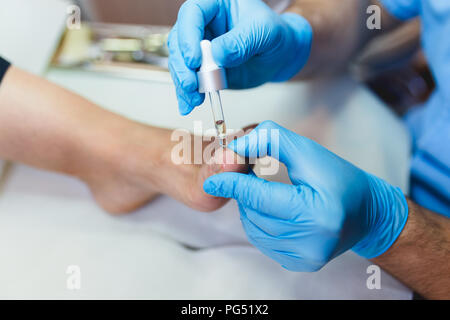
point(235, 47)
point(293, 228)
point(269, 139)
point(256, 236)
point(185, 80)
point(238, 45)
point(299, 154)
point(276, 249)
point(186, 100)
point(280, 228)
point(193, 17)
point(273, 198)
point(287, 261)
point(264, 230)
point(296, 264)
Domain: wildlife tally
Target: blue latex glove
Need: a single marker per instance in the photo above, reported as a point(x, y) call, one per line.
point(251, 41)
point(331, 207)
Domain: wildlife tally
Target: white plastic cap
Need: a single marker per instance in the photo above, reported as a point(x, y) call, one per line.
point(210, 76)
point(208, 63)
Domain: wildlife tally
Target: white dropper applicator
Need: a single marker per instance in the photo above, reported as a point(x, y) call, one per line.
point(212, 79)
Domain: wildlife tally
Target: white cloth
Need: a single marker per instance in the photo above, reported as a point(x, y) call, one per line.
point(49, 222)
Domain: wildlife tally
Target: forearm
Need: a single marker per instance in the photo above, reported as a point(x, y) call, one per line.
point(420, 257)
point(45, 126)
point(340, 31)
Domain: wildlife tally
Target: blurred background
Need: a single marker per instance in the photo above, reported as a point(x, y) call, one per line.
point(122, 33)
point(146, 12)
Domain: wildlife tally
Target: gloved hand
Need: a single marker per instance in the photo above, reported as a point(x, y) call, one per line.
point(252, 42)
point(331, 207)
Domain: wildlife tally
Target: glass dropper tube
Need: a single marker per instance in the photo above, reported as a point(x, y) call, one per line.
point(219, 120)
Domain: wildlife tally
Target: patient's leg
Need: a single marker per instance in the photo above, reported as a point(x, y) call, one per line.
point(144, 166)
point(124, 163)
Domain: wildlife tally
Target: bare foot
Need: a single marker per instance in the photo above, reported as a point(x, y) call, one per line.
point(143, 167)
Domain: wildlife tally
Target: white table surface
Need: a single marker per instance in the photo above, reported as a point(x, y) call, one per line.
point(48, 221)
